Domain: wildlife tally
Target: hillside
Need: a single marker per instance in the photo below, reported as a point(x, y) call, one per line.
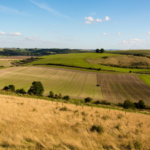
point(39, 124)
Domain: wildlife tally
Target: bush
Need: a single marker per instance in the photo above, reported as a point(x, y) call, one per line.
point(141, 104)
point(10, 87)
point(104, 102)
point(56, 96)
point(51, 94)
point(88, 100)
point(66, 97)
point(59, 96)
point(98, 129)
point(36, 88)
point(21, 91)
point(5, 88)
point(128, 104)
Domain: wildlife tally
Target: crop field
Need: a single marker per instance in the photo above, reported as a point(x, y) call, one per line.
point(5, 63)
point(119, 87)
point(73, 83)
point(44, 125)
point(78, 84)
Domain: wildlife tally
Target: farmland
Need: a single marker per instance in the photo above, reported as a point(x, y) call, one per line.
point(39, 124)
point(79, 84)
point(87, 60)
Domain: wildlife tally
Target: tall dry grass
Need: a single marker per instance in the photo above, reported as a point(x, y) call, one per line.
point(39, 124)
point(128, 61)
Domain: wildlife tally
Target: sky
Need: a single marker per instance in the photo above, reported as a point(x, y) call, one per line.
point(75, 24)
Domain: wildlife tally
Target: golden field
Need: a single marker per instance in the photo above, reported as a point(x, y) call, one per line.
point(27, 123)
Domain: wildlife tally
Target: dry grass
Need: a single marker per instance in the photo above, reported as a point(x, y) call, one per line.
point(128, 61)
point(38, 124)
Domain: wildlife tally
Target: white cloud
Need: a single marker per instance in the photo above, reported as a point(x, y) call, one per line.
point(119, 33)
point(87, 22)
point(99, 20)
point(97, 36)
point(15, 34)
point(107, 18)
point(148, 38)
point(33, 38)
point(149, 33)
point(3, 33)
point(136, 40)
point(133, 41)
point(46, 7)
point(89, 18)
point(105, 33)
point(124, 42)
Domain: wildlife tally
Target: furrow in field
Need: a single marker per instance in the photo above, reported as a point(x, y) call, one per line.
point(102, 81)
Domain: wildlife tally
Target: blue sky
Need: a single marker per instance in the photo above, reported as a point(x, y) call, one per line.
point(85, 24)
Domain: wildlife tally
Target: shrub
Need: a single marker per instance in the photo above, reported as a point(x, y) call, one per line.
point(10, 87)
point(104, 102)
point(5, 88)
point(51, 94)
point(120, 104)
point(128, 104)
point(66, 97)
point(21, 91)
point(56, 96)
point(141, 104)
point(98, 129)
point(36, 88)
point(88, 100)
point(59, 96)
point(63, 109)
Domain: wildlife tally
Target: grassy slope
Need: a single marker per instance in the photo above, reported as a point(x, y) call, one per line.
point(34, 124)
point(145, 79)
point(79, 60)
point(71, 59)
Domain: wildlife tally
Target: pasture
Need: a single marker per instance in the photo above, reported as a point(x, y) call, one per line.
point(79, 84)
point(39, 124)
point(88, 60)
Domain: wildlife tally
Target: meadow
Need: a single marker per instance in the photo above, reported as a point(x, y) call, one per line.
point(85, 60)
point(78, 84)
point(38, 124)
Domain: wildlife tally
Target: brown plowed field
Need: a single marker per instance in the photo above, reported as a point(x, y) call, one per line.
point(119, 87)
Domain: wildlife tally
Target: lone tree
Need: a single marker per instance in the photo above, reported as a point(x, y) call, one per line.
point(88, 100)
point(66, 97)
point(128, 104)
point(141, 104)
point(36, 88)
point(102, 50)
point(51, 94)
point(97, 50)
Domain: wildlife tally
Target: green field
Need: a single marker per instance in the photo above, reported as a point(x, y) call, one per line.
point(81, 60)
point(145, 79)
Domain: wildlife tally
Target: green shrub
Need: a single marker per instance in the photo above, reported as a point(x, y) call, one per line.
point(66, 97)
point(21, 91)
point(51, 94)
point(5, 88)
point(36, 88)
point(88, 100)
point(141, 104)
point(104, 102)
point(10, 87)
point(98, 129)
point(128, 104)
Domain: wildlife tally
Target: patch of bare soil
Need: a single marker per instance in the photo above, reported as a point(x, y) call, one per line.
point(119, 87)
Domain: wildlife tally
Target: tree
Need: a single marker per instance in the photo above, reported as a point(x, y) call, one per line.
point(128, 104)
point(60, 97)
point(12, 88)
point(51, 94)
point(141, 104)
point(97, 50)
point(36, 88)
point(88, 100)
point(102, 50)
point(66, 97)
